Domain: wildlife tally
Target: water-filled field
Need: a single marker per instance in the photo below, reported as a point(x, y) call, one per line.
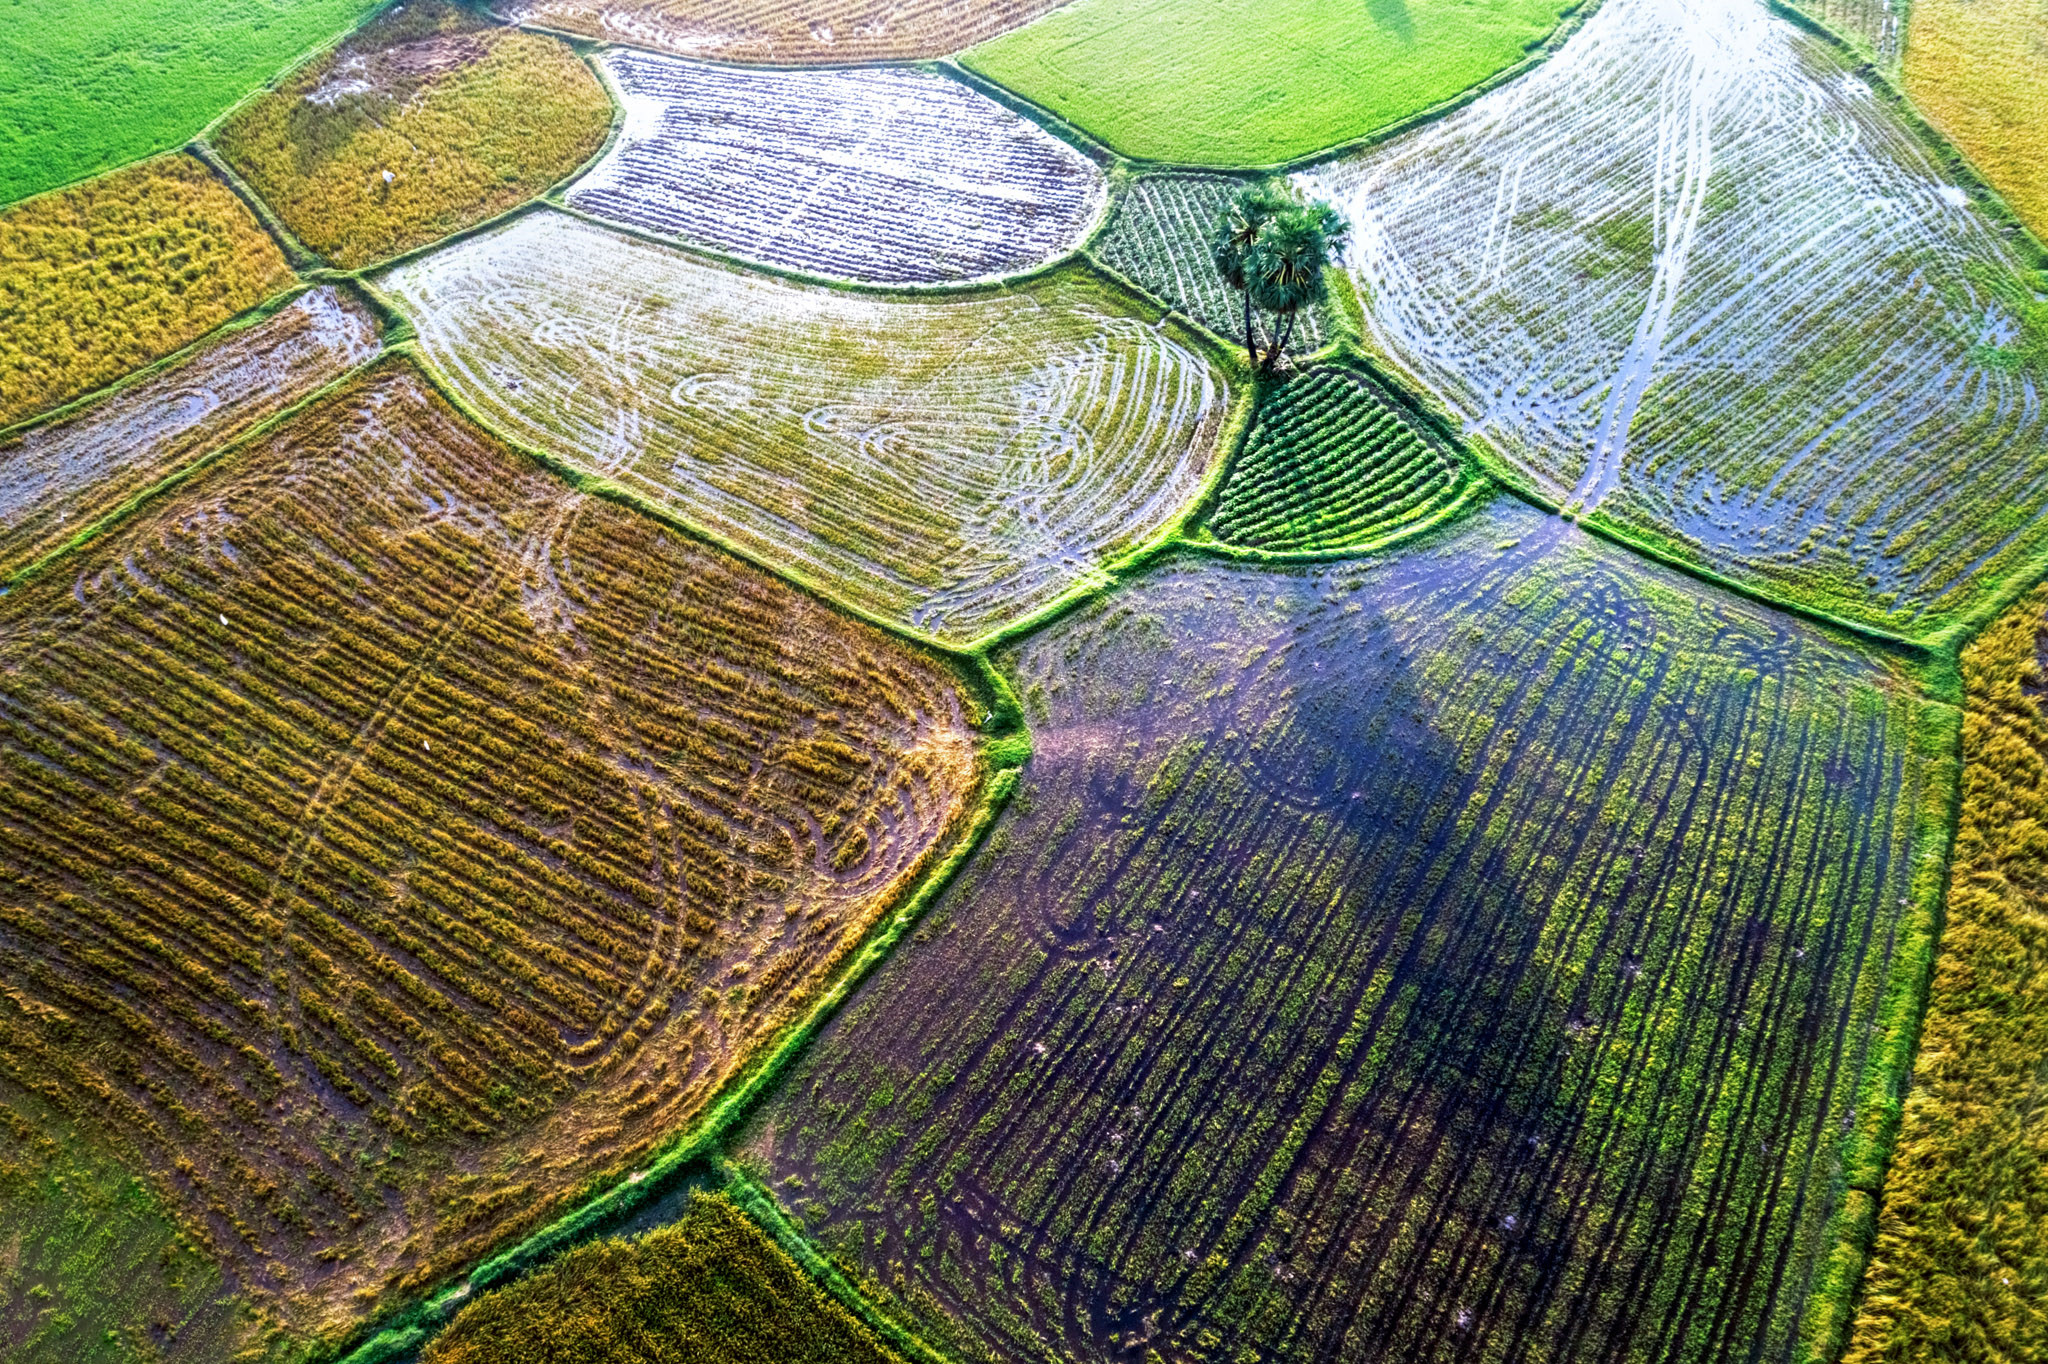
point(1693, 273)
point(393, 838)
point(1474, 954)
point(883, 176)
point(784, 32)
point(58, 479)
point(952, 463)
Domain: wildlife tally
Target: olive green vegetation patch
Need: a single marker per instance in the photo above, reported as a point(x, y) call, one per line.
point(711, 1288)
point(1333, 461)
point(428, 121)
point(86, 85)
point(1238, 83)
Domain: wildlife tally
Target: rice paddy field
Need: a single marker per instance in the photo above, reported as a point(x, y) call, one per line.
point(1158, 237)
point(1961, 1259)
point(59, 479)
point(1694, 277)
point(89, 85)
point(671, 691)
point(428, 120)
point(1485, 953)
point(882, 176)
point(784, 32)
point(1334, 461)
point(111, 274)
point(951, 464)
point(1980, 71)
point(1233, 83)
point(710, 1287)
point(395, 838)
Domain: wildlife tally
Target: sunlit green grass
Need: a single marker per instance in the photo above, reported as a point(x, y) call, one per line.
point(1234, 83)
point(86, 85)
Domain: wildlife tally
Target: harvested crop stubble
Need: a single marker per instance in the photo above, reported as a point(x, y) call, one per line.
point(58, 479)
point(466, 118)
point(1471, 955)
point(953, 462)
point(711, 1288)
point(104, 277)
point(1159, 237)
point(1332, 461)
point(1693, 273)
point(393, 840)
point(786, 32)
point(1979, 69)
point(1257, 82)
point(887, 176)
point(1960, 1268)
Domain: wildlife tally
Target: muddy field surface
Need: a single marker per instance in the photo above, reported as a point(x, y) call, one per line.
point(392, 840)
point(1466, 956)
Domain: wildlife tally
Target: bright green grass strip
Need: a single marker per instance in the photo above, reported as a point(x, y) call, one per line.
point(86, 85)
point(1237, 83)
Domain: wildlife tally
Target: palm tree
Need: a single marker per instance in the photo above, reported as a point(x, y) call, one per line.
point(1283, 268)
point(1244, 219)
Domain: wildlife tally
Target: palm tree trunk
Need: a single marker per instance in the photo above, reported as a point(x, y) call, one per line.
point(1280, 341)
point(1251, 338)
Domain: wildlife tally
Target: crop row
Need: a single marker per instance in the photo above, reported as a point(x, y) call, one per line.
point(57, 479)
point(1159, 237)
point(1471, 955)
point(392, 840)
point(1694, 273)
point(1330, 462)
point(953, 462)
point(887, 176)
point(785, 32)
point(101, 278)
point(1960, 1266)
point(710, 1288)
point(426, 121)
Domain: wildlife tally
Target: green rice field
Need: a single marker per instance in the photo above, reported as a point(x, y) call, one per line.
point(1233, 83)
point(86, 85)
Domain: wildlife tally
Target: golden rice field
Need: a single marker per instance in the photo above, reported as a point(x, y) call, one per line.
point(113, 273)
point(1960, 1269)
point(393, 839)
point(58, 479)
point(465, 118)
point(1979, 70)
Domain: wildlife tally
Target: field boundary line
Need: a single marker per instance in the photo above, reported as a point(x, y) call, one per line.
point(409, 1329)
point(1569, 21)
point(301, 257)
point(242, 321)
point(1836, 1284)
point(170, 482)
point(761, 1205)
